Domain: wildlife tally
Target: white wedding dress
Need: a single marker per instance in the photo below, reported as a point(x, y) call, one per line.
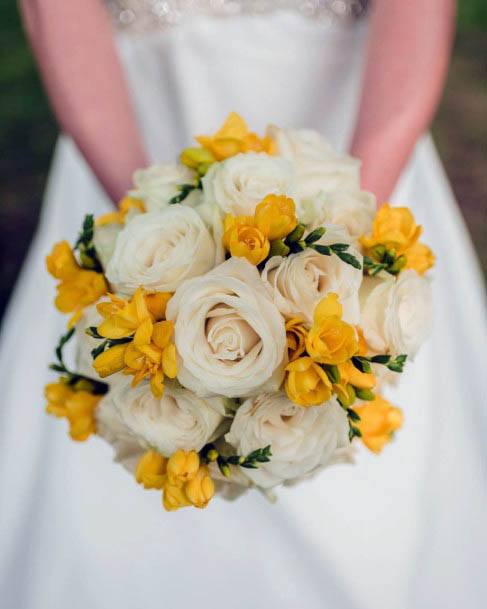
point(405, 530)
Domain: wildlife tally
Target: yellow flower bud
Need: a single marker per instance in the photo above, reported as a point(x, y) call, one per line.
point(61, 262)
point(306, 383)
point(296, 338)
point(174, 497)
point(394, 228)
point(124, 207)
point(420, 258)
point(275, 216)
point(378, 421)
point(80, 412)
point(201, 488)
point(110, 361)
point(156, 304)
point(182, 466)
point(244, 240)
point(151, 470)
point(56, 395)
point(193, 157)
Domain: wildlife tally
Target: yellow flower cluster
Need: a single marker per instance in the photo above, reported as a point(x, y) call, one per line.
point(149, 352)
point(395, 231)
point(233, 138)
point(76, 403)
point(320, 358)
point(77, 287)
point(378, 421)
point(124, 207)
point(184, 480)
point(250, 236)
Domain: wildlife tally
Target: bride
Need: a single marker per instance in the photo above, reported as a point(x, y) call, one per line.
point(131, 81)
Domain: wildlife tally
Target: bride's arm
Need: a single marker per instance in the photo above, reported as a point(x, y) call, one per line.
point(74, 46)
point(406, 63)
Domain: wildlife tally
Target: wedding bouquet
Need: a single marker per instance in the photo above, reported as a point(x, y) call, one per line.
point(237, 315)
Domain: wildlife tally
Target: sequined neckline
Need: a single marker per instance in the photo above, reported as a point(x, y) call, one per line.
point(138, 16)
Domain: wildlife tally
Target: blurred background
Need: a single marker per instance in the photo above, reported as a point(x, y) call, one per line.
point(28, 133)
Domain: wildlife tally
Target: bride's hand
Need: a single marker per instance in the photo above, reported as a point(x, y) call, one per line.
point(74, 46)
point(406, 64)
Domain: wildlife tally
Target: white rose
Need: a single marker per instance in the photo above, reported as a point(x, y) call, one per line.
point(352, 208)
point(301, 439)
point(109, 426)
point(239, 183)
point(159, 250)
point(299, 281)
point(230, 338)
point(158, 184)
point(179, 419)
point(396, 313)
point(318, 167)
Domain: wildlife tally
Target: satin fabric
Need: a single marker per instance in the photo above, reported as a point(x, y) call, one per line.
point(406, 529)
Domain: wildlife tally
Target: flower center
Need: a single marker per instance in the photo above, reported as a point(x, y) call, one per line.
point(230, 337)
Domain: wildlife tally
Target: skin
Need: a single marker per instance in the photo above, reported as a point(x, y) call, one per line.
point(406, 62)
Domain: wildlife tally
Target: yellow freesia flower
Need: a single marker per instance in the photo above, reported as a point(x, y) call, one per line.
point(393, 227)
point(151, 470)
point(307, 384)
point(78, 407)
point(420, 258)
point(119, 216)
point(243, 239)
point(201, 488)
point(182, 467)
point(150, 352)
point(174, 497)
point(275, 216)
point(234, 137)
point(378, 421)
point(296, 338)
point(330, 339)
point(77, 287)
point(353, 376)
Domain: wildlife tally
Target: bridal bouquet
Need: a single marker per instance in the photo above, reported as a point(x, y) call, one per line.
point(236, 317)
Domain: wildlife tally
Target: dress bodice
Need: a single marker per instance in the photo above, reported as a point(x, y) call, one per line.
point(145, 15)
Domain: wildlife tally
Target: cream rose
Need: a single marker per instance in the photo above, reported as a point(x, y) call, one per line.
point(104, 240)
point(318, 167)
point(301, 439)
point(179, 419)
point(239, 183)
point(109, 426)
point(396, 313)
point(158, 184)
point(159, 250)
point(351, 208)
point(299, 281)
point(230, 337)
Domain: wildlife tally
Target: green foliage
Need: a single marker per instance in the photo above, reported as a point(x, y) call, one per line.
point(472, 14)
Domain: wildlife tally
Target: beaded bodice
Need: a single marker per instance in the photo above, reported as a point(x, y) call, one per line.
point(145, 15)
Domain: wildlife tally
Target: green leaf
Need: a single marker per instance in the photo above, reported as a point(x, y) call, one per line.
point(315, 235)
point(325, 250)
point(332, 373)
point(397, 364)
point(364, 394)
point(184, 191)
point(349, 259)
point(380, 359)
point(60, 346)
point(339, 247)
point(57, 368)
point(362, 364)
point(352, 415)
point(296, 234)
point(93, 332)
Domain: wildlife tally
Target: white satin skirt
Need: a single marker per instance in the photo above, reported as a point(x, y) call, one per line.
point(404, 530)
